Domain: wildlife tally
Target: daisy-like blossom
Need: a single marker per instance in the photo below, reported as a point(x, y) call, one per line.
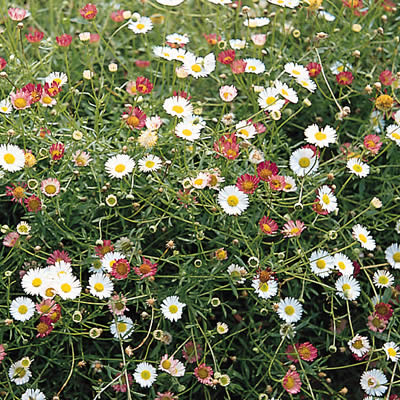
point(376, 323)
point(56, 151)
point(344, 78)
point(359, 345)
point(11, 239)
point(237, 44)
point(150, 163)
point(266, 169)
point(172, 308)
point(357, 167)
point(290, 310)
point(393, 133)
point(12, 158)
point(307, 84)
point(102, 249)
point(22, 308)
point(386, 77)
point(64, 40)
point(343, 264)
point(290, 184)
point(119, 166)
point(392, 351)
point(122, 385)
point(117, 304)
point(327, 199)
point(245, 130)
point(226, 57)
point(237, 273)
point(33, 281)
point(177, 38)
point(134, 117)
point(166, 396)
point(60, 78)
point(44, 327)
point(5, 107)
point(361, 234)
point(81, 158)
point(392, 255)
point(321, 263)
point(238, 67)
point(204, 374)
point(120, 269)
point(122, 327)
point(222, 328)
point(254, 66)
point(19, 374)
point(306, 352)
point(68, 287)
point(33, 394)
point(172, 366)
point(227, 93)
point(50, 187)
point(268, 100)
point(314, 69)
point(384, 310)
point(188, 131)
point(153, 123)
point(265, 290)
point(268, 225)
point(100, 285)
point(143, 85)
point(320, 137)
point(200, 181)
point(286, 92)
point(16, 192)
point(178, 107)
point(89, 11)
point(372, 143)
point(259, 39)
point(347, 288)
point(291, 382)
point(373, 382)
point(383, 279)
point(17, 14)
point(293, 228)
point(277, 182)
point(247, 183)
point(232, 200)
point(117, 16)
point(303, 162)
point(146, 269)
point(296, 70)
point(192, 353)
point(142, 25)
point(145, 374)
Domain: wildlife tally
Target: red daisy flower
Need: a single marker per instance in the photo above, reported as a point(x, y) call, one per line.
point(44, 327)
point(190, 353)
point(142, 63)
point(146, 269)
point(238, 66)
point(317, 207)
point(134, 117)
point(372, 143)
point(277, 182)
point(35, 92)
point(64, 40)
point(3, 63)
point(89, 11)
point(122, 386)
point(291, 382)
point(34, 37)
point(204, 374)
point(53, 89)
point(57, 151)
point(314, 69)
point(120, 269)
point(94, 38)
point(292, 228)
point(386, 77)
point(17, 192)
point(117, 16)
point(102, 250)
point(33, 203)
point(212, 38)
point(344, 78)
point(268, 225)
point(143, 85)
point(57, 256)
point(266, 169)
point(54, 313)
point(384, 310)
point(247, 183)
point(226, 57)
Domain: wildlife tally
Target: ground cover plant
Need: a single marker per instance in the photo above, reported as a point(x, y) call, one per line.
point(199, 199)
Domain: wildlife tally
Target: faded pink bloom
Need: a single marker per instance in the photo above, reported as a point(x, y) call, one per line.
point(121, 386)
point(259, 39)
point(227, 93)
point(17, 14)
point(372, 143)
point(117, 304)
point(11, 239)
point(291, 382)
point(190, 353)
point(20, 100)
point(2, 353)
point(57, 256)
point(146, 269)
point(166, 396)
point(291, 228)
point(204, 374)
point(376, 323)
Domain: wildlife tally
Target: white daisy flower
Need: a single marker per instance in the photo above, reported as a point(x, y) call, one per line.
point(150, 163)
point(165, 52)
point(220, 2)
point(237, 273)
point(290, 310)
point(290, 184)
point(142, 25)
point(228, 93)
point(200, 67)
point(196, 121)
point(23, 228)
point(201, 180)
point(363, 236)
point(265, 290)
point(177, 369)
point(109, 259)
point(145, 374)
point(373, 382)
point(12, 158)
point(33, 281)
point(232, 200)
point(269, 101)
point(33, 394)
point(68, 287)
point(292, 3)
point(327, 199)
point(256, 22)
point(172, 308)
point(281, 3)
point(122, 327)
point(320, 137)
point(338, 67)
point(5, 106)
point(254, 66)
point(178, 106)
point(22, 308)
point(188, 131)
point(177, 38)
point(237, 44)
point(100, 285)
point(359, 345)
point(393, 133)
point(343, 264)
point(347, 288)
point(383, 279)
point(59, 269)
point(170, 3)
point(392, 351)
point(303, 162)
point(120, 165)
point(357, 167)
point(321, 263)
point(392, 254)
point(327, 16)
point(19, 374)
point(59, 77)
point(286, 92)
point(307, 84)
point(296, 70)
point(182, 55)
point(245, 130)
point(222, 328)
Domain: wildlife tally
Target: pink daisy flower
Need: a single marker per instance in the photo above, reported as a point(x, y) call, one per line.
point(190, 353)
point(120, 269)
point(122, 386)
point(268, 225)
point(166, 396)
point(102, 250)
point(146, 269)
point(44, 327)
point(266, 169)
point(204, 374)
point(33, 203)
point(17, 192)
point(20, 100)
point(291, 382)
point(57, 256)
point(372, 143)
point(45, 306)
point(57, 151)
point(17, 14)
point(50, 187)
point(376, 323)
point(2, 353)
point(117, 304)
point(11, 239)
point(291, 228)
point(306, 352)
point(134, 117)
point(247, 183)
point(89, 11)
point(277, 182)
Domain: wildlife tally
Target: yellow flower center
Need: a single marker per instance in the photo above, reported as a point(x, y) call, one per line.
point(233, 201)
point(178, 109)
point(295, 230)
point(362, 238)
point(120, 168)
point(122, 327)
point(325, 199)
point(226, 95)
point(264, 287)
point(50, 189)
point(383, 280)
point(267, 228)
point(196, 68)
point(341, 265)
point(36, 282)
point(146, 375)
point(320, 136)
point(98, 287)
point(396, 257)
point(252, 68)
point(140, 26)
point(384, 102)
point(166, 364)
point(198, 182)
point(66, 287)
point(4, 109)
point(173, 309)
point(358, 344)
point(50, 292)
point(244, 132)
point(150, 164)
point(289, 382)
point(392, 352)
point(289, 310)
point(396, 135)
point(295, 72)
point(23, 309)
point(20, 372)
point(304, 162)
point(47, 100)
point(187, 132)
point(20, 103)
point(321, 264)
point(345, 287)
point(357, 168)
point(270, 100)
point(9, 158)
point(284, 92)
